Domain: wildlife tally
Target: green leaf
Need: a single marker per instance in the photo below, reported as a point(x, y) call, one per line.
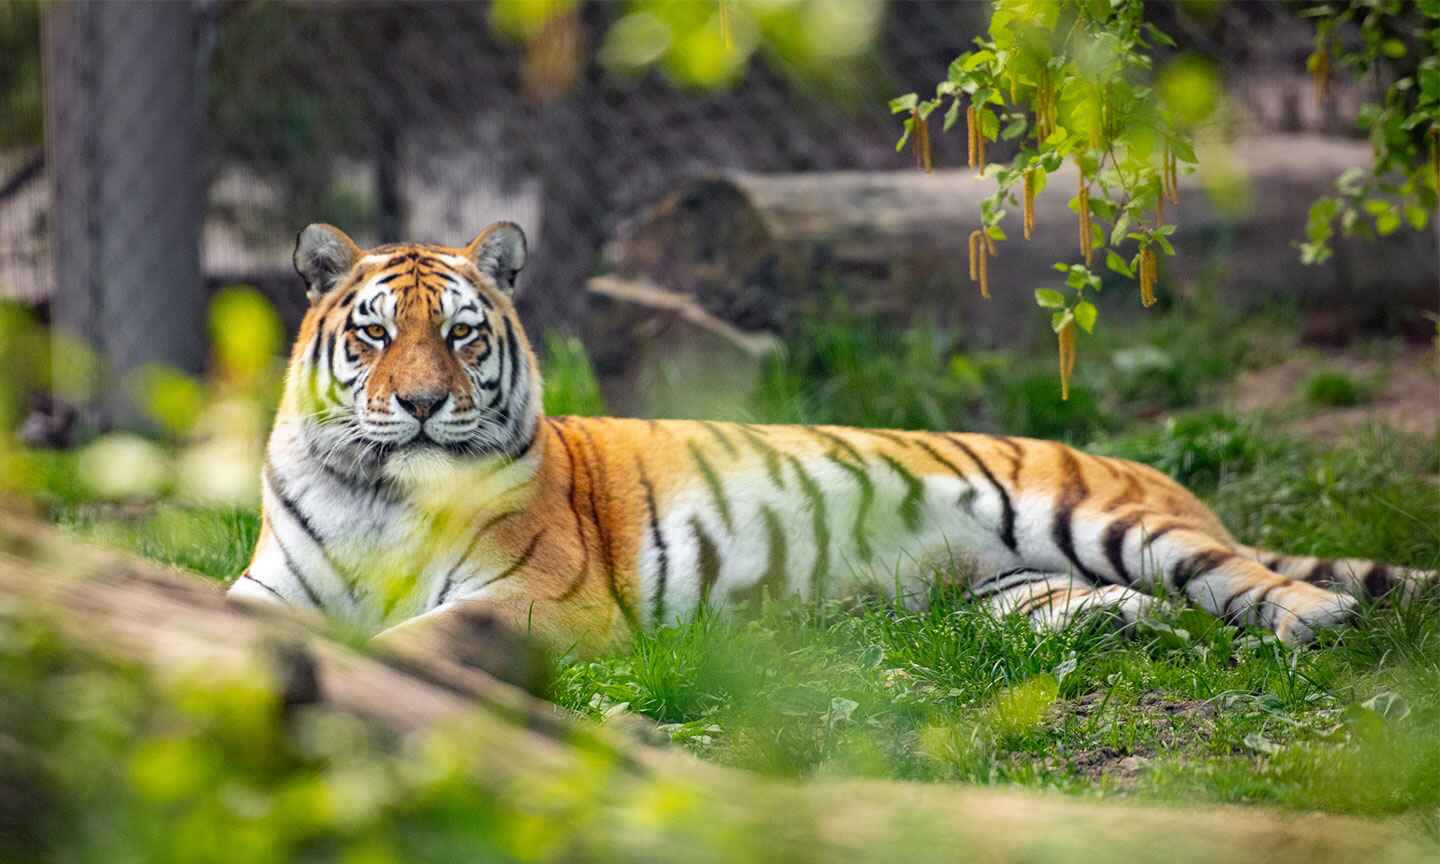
point(1117, 234)
point(976, 59)
point(1077, 277)
point(1060, 319)
point(952, 115)
point(1049, 298)
point(1015, 128)
point(905, 135)
point(901, 104)
point(989, 124)
point(1417, 216)
point(1116, 263)
point(996, 232)
point(1085, 315)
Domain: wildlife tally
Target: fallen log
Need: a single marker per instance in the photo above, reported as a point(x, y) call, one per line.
point(763, 251)
point(622, 800)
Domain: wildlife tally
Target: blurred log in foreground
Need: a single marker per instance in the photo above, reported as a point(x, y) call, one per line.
point(529, 781)
point(761, 252)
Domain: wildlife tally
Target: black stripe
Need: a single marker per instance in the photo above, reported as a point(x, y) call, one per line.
point(967, 496)
point(720, 436)
point(717, 491)
point(397, 261)
point(290, 507)
point(1233, 616)
point(1016, 458)
point(293, 511)
point(1197, 565)
point(867, 499)
point(278, 595)
point(1073, 492)
point(895, 438)
point(391, 278)
point(820, 525)
point(295, 571)
point(773, 582)
point(771, 455)
point(709, 560)
point(607, 548)
point(832, 438)
point(1322, 574)
point(1131, 494)
point(519, 562)
point(989, 585)
point(1114, 542)
point(515, 357)
point(1007, 514)
point(1379, 582)
point(1034, 604)
point(573, 500)
point(449, 583)
point(914, 493)
point(1163, 530)
point(657, 614)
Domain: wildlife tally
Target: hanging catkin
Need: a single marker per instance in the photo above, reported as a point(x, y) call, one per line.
point(982, 246)
point(1085, 233)
point(974, 254)
point(920, 134)
point(1147, 277)
point(971, 128)
point(1066, 338)
point(1029, 199)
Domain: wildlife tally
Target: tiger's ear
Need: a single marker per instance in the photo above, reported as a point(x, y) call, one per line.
point(323, 253)
point(499, 252)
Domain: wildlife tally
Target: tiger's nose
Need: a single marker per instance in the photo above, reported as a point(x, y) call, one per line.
point(421, 405)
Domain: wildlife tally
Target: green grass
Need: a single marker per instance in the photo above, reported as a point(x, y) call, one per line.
point(1332, 388)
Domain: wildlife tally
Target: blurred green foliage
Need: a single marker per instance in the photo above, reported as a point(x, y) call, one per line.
point(1396, 44)
point(1073, 80)
point(570, 385)
point(1333, 388)
point(710, 44)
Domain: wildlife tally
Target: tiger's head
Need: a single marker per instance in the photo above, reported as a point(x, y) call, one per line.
point(412, 353)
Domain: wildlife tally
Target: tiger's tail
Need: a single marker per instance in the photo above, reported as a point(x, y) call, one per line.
point(1348, 575)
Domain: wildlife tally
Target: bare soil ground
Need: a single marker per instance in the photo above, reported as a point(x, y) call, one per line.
point(1404, 385)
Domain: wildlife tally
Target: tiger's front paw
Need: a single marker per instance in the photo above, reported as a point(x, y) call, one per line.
point(1300, 611)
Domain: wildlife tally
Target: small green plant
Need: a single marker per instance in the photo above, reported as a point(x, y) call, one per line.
point(570, 385)
point(1332, 388)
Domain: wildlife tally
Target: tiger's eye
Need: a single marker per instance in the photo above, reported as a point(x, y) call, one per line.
point(460, 331)
point(376, 332)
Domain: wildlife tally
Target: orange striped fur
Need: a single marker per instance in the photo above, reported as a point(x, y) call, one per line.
point(411, 474)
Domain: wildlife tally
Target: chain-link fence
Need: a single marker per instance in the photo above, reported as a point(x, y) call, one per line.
point(225, 127)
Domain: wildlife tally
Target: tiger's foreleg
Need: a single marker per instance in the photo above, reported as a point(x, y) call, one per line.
point(1220, 578)
point(1051, 601)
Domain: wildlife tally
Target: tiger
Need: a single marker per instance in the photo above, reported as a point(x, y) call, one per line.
point(412, 477)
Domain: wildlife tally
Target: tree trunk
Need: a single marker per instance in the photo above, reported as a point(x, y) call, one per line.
point(168, 622)
point(122, 133)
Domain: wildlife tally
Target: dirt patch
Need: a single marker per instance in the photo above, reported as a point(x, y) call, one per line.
point(1403, 385)
point(1178, 724)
